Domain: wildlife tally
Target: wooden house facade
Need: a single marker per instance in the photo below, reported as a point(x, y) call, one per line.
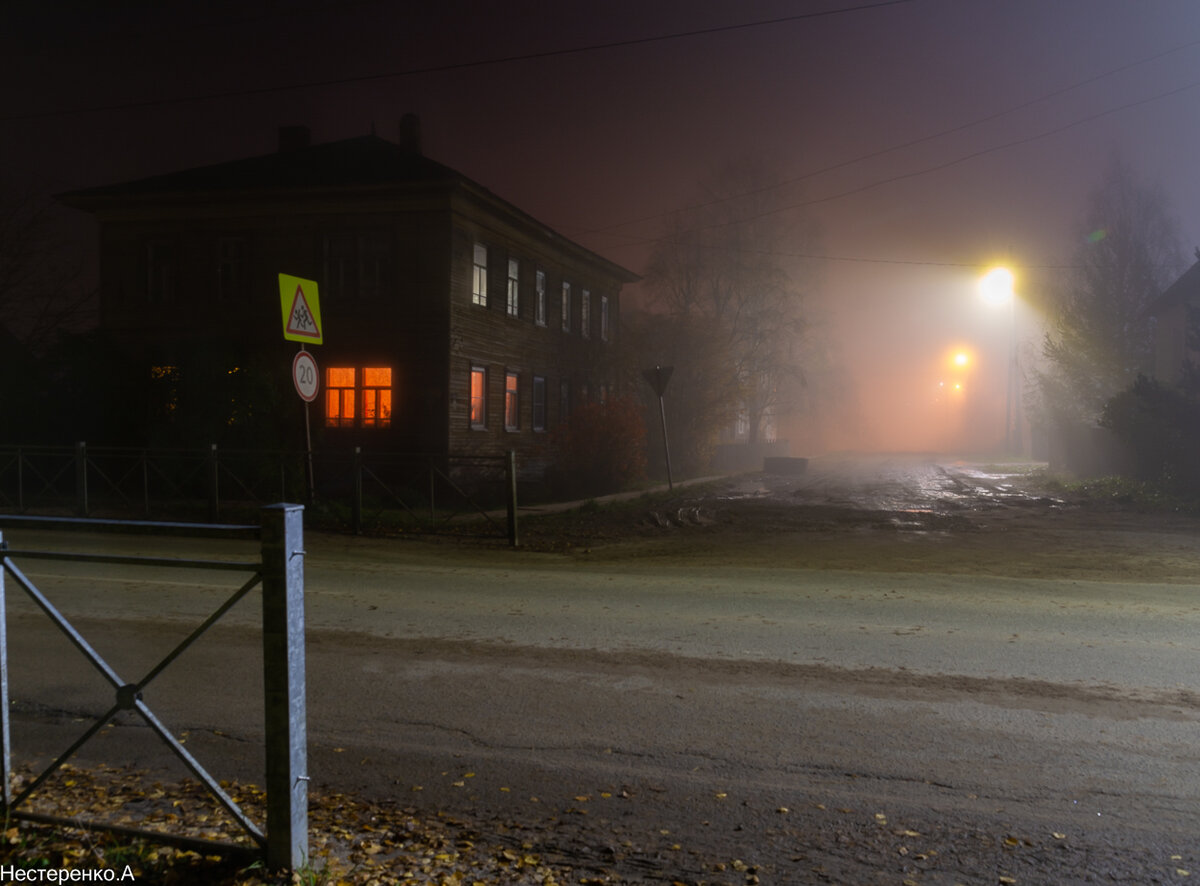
point(454, 323)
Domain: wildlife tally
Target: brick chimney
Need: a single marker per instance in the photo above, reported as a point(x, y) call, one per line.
point(294, 138)
point(410, 133)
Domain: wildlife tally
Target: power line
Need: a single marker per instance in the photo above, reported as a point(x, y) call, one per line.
point(905, 176)
point(870, 155)
point(456, 66)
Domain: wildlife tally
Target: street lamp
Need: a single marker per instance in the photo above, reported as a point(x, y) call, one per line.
point(997, 289)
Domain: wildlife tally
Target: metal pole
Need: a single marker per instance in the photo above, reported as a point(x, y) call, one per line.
point(662, 412)
point(214, 479)
point(284, 693)
point(308, 444)
point(510, 467)
point(5, 740)
point(81, 490)
point(356, 507)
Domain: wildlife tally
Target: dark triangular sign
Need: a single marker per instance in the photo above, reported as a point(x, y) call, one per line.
point(658, 377)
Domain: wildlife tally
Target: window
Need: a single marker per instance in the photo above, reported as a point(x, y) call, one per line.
point(512, 303)
point(161, 270)
point(358, 265)
point(479, 278)
point(585, 314)
point(539, 403)
point(566, 306)
point(231, 269)
point(512, 402)
point(564, 401)
point(374, 263)
point(376, 396)
point(478, 397)
point(604, 318)
point(358, 397)
point(539, 305)
point(339, 397)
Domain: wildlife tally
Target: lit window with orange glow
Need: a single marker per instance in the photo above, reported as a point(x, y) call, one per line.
point(339, 397)
point(512, 402)
point(478, 398)
point(376, 397)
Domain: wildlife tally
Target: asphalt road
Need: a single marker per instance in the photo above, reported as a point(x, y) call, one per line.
point(647, 716)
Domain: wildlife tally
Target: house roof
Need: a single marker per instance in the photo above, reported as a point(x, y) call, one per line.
point(360, 163)
point(1185, 289)
point(367, 160)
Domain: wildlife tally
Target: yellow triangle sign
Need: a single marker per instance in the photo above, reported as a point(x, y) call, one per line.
point(301, 309)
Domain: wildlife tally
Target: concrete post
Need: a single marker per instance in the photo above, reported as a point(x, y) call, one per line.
point(285, 696)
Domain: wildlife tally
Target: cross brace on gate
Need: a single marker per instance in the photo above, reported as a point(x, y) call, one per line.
point(281, 574)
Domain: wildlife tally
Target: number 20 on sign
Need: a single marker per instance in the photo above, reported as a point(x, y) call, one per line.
point(305, 376)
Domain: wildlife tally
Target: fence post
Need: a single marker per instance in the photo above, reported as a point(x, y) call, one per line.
point(5, 744)
point(356, 506)
point(214, 476)
point(284, 694)
point(20, 481)
point(81, 490)
point(510, 468)
point(146, 481)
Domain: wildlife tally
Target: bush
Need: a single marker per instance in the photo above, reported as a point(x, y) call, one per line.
point(602, 449)
point(1161, 425)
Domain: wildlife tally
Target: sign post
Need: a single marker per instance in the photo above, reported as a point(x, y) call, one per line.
point(300, 309)
point(657, 378)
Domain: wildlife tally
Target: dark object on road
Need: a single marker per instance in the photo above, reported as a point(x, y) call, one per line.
point(782, 464)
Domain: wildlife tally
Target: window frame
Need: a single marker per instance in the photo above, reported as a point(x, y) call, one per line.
point(538, 417)
point(359, 404)
point(479, 281)
point(585, 313)
point(539, 301)
point(604, 318)
point(512, 301)
point(566, 306)
point(512, 400)
point(480, 423)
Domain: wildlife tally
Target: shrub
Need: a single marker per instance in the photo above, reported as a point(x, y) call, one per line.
point(602, 449)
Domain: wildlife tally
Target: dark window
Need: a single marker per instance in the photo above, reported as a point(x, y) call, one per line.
point(539, 403)
point(161, 271)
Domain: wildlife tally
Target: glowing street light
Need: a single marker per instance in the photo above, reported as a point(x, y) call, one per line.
point(996, 286)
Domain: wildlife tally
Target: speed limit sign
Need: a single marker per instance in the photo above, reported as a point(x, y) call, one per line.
point(305, 377)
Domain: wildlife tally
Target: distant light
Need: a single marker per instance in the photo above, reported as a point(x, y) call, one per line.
point(961, 359)
point(996, 286)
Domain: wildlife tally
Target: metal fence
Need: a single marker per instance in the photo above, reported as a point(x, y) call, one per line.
point(352, 490)
point(280, 572)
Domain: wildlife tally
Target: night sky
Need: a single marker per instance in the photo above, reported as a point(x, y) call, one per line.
point(927, 138)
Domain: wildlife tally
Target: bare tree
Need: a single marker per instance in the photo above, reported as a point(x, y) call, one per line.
point(42, 290)
point(726, 278)
point(1100, 336)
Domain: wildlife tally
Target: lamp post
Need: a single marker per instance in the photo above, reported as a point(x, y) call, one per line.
point(996, 287)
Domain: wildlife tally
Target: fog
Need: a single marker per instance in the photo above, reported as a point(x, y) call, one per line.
point(927, 139)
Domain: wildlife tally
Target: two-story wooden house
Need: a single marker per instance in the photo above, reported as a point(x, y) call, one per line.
point(454, 323)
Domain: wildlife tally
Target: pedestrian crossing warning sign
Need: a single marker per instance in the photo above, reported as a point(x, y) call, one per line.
point(301, 309)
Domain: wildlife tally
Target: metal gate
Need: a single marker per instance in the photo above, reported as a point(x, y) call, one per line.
point(280, 572)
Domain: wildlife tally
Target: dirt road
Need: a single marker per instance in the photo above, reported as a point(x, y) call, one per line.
point(884, 670)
